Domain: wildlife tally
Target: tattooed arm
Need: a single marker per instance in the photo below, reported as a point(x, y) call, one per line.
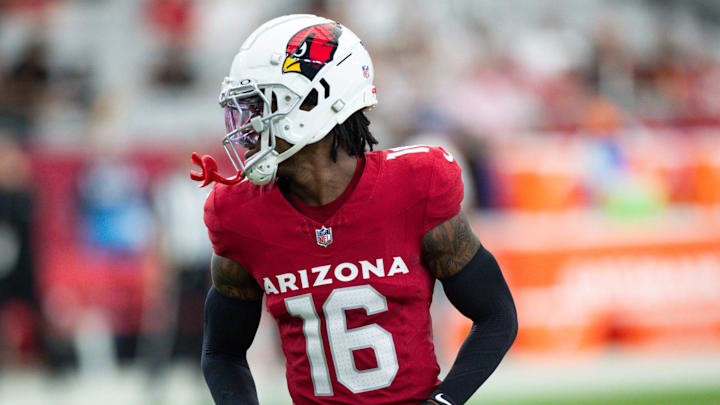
point(474, 284)
point(233, 281)
point(448, 247)
point(232, 315)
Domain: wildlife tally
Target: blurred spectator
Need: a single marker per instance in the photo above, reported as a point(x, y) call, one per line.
point(174, 69)
point(19, 305)
point(114, 209)
point(173, 20)
point(185, 253)
point(25, 5)
point(609, 73)
point(23, 88)
point(118, 228)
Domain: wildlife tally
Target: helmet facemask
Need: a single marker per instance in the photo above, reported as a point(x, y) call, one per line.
point(251, 120)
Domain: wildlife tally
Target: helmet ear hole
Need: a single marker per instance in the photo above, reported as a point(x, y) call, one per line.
point(310, 101)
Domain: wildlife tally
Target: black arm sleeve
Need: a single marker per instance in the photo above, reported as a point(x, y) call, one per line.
point(230, 327)
point(480, 293)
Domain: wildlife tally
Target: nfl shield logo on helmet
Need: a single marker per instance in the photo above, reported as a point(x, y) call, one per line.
point(366, 71)
point(324, 236)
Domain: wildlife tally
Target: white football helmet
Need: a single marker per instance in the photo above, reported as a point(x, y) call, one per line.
point(295, 78)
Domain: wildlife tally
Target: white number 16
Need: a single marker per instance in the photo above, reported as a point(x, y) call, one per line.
point(344, 341)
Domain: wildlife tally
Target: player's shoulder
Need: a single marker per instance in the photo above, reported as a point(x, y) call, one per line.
point(415, 161)
point(241, 193)
point(410, 174)
point(428, 176)
point(233, 199)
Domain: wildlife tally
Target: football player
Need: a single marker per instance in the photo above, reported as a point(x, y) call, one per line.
point(344, 244)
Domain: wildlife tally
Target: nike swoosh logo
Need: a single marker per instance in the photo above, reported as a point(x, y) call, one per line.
point(439, 397)
point(448, 156)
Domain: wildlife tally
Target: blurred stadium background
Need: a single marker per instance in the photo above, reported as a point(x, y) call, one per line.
point(589, 133)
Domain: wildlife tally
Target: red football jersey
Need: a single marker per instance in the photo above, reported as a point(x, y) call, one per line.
point(350, 296)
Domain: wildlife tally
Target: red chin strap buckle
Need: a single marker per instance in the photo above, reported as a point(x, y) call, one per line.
point(210, 173)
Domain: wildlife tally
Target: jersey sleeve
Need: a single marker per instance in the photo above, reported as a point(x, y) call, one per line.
point(214, 225)
point(445, 189)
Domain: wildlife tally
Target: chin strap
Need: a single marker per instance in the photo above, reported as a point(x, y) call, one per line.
point(210, 173)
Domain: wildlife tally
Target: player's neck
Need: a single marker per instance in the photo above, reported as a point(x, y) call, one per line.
point(315, 179)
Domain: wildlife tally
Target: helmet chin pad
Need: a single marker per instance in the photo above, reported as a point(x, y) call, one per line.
point(263, 172)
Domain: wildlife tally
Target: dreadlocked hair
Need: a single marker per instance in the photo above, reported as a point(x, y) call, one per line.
point(353, 136)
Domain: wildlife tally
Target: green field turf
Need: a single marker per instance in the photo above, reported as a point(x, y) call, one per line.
point(705, 396)
point(677, 397)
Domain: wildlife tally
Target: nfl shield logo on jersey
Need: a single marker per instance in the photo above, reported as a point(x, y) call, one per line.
point(324, 236)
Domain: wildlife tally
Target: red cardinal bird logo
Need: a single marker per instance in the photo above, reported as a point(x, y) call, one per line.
point(311, 49)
